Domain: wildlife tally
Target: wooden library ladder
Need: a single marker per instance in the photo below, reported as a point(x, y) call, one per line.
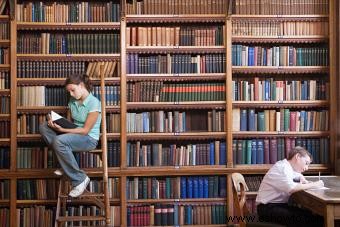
point(99, 200)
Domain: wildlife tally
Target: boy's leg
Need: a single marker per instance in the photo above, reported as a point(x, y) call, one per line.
point(64, 145)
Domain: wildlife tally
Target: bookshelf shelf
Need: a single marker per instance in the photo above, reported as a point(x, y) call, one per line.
point(176, 136)
point(281, 104)
point(172, 18)
point(5, 116)
point(182, 201)
point(177, 170)
point(4, 66)
point(4, 140)
point(175, 49)
point(265, 134)
point(280, 39)
point(262, 169)
point(36, 202)
point(113, 136)
point(4, 202)
point(177, 105)
point(4, 17)
point(69, 57)
point(5, 42)
point(177, 77)
point(41, 109)
point(281, 17)
point(280, 69)
point(68, 26)
point(5, 91)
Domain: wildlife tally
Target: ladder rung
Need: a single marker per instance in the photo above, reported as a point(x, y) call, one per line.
point(80, 218)
point(85, 195)
point(96, 151)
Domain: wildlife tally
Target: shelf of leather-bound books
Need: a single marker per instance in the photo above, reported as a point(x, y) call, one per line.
point(175, 18)
point(280, 69)
point(176, 135)
point(68, 26)
point(176, 170)
point(74, 57)
point(177, 76)
point(175, 49)
point(264, 134)
point(282, 103)
point(176, 105)
point(280, 39)
point(188, 200)
point(263, 168)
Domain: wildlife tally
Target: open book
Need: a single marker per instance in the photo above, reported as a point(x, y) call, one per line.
point(60, 120)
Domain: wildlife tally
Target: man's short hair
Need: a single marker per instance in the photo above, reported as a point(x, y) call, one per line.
point(299, 150)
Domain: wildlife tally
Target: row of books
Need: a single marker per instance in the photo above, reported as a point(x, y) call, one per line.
point(175, 36)
point(158, 154)
point(45, 216)
point(4, 80)
point(4, 56)
point(113, 123)
point(280, 7)
point(70, 43)
point(29, 123)
point(4, 189)
point(176, 7)
point(42, 189)
point(160, 121)
point(62, 69)
point(253, 182)
point(282, 120)
point(5, 104)
point(175, 63)
point(279, 56)
point(112, 94)
point(269, 151)
point(68, 12)
point(41, 96)
point(35, 157)
point(4, 216)
point(4, 30)
point(279, 28)
point(270, 89)
point(176, 214)
point(159, 91)
point(4, 7)
point(176, 187)
point(5, 131)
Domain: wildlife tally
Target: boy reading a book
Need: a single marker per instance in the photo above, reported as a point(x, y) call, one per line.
point(283, 179)
point(85, 111)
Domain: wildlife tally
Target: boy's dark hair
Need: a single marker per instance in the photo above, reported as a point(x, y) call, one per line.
point(299, 150)
point(77, 79)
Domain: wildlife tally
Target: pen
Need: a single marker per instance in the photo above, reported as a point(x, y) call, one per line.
point(319, 175)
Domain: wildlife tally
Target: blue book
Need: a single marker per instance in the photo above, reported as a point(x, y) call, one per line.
point(183, 188)
point(243, 120)
point(189, 187)
point(188, 215)
point(195, 187)
point(212, 154)
point(223, 158)
point(200, 187)
point(251, 120)
point(251, 51)
point(253, 151)
point(260, 152)
point(176, 222)
point(205, 187)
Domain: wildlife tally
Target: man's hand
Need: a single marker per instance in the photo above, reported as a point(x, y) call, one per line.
point(317, 184)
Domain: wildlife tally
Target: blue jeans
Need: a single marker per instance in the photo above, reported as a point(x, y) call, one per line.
point(63, 145)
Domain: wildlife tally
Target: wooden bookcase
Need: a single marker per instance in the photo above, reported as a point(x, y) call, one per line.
point(152, 19)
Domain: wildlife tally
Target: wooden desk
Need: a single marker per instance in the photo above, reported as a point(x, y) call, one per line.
point(325, 202)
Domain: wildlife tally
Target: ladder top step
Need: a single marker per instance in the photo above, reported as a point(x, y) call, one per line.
point(80, 218)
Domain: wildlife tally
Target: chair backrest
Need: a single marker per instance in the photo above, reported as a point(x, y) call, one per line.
point(239, 188)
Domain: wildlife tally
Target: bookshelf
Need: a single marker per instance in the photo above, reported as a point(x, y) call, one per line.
point(172, 65)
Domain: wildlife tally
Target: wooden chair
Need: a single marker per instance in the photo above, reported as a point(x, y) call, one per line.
point(239, 188)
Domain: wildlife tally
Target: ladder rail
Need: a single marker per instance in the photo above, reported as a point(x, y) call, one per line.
point(104, 145)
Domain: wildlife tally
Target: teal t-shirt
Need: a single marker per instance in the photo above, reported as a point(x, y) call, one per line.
point(79, 113)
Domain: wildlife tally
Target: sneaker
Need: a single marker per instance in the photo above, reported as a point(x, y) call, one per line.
point(58, 172)
point(79, 189)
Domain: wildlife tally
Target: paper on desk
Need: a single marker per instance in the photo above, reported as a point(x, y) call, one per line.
point(322, 188)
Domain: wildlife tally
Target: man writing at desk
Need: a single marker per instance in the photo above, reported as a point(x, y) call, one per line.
point(283, 179)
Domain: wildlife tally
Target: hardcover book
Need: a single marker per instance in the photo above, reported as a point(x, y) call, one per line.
point(59, 120)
